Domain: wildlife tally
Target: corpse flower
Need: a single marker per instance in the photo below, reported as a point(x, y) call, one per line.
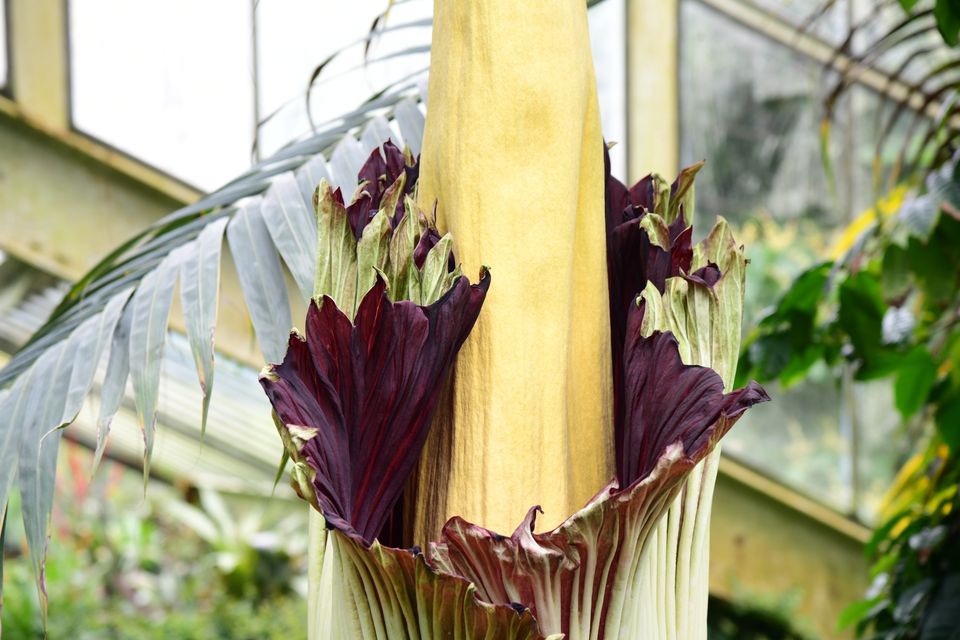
point(354, 397)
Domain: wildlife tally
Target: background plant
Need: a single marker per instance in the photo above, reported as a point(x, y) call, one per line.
point(125, 567)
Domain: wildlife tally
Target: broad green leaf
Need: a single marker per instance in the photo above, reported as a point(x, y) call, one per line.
point(403, 274)
point(895, 274)
point(861, 317)
point(942, 617)
point(114, 381)
point(199, 294)
point(336, 257)
point(947, 418)
point(148, 333)
point(261, 279)
point(291, 226)
point(908, 605)
point(372, 254)
point(804, 294)
point(915, 377)
point(434, 272)
point(947, 13)
point(855, 612)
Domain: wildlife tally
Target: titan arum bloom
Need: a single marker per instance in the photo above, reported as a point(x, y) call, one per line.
point(355, 396)
point(602, 359)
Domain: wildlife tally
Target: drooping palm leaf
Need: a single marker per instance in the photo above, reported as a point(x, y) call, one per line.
point(53, 373)
point(121, 306)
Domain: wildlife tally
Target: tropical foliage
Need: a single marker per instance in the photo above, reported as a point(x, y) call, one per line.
point(354, 401)
point(888, 309)
point(176, 565)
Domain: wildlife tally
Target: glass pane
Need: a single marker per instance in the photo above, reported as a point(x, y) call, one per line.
point(882, 444)
point(750, 108)
point(800, 440)
point(295, 36)
point(830, 23)
point(168, 82)
point(3, 43)
point(607, 36)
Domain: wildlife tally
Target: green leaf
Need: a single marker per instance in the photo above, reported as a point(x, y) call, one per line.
point(855, 612)
point(947, 13)
point(861, 317)
point(336, 257)
point(38, 456)
point(803, 296)
point(895, 272)
point(908, 4)
point(942, 618)
point(148, 333)
point(915, 377)
point(262, 282)
point(115, 381)
point(372, 253)
point(199, 294)
point(291, 225)
point(947, 419)
point(909, 603)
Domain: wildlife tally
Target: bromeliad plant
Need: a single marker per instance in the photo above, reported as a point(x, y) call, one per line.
point(355, 396)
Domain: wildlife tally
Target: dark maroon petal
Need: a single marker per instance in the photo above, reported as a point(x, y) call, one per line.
point(395, 162)
point(374, 170)
point(360, 211)
point(377, 175)
point(632, 261)
point(369, 389)
point(706, 276)
point(669, 401)
point(428, 240)
point(617, 198)
point(643, 194)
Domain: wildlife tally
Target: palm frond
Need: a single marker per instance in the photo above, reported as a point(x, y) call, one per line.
point(119, 310)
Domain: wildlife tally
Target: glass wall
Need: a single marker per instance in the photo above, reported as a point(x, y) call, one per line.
point(200, 90)
point(166, 81)
point(752, 105)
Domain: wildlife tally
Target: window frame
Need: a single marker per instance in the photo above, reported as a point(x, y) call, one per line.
point(6, 89)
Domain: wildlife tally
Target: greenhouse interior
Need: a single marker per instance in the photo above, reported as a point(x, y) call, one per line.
point(572, 319)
